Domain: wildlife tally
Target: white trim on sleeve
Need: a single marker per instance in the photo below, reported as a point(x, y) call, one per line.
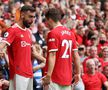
point(75, 50)
point(53, 50)
point(6, 42)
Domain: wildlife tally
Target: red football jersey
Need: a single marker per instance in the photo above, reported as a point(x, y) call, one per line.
point(93, 82)
point(19, 51)
point(62, 40)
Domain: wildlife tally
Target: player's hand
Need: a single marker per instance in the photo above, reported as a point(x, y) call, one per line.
point(76, 78)
point(1, 82)
point(46, 80)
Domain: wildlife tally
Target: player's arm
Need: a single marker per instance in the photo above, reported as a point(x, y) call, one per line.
point(76, 57)
point(41, 65)
point(51, 64)
point(52, 49)
point(4, 26)
point(106, 84)
point(2, 45)
point(6, 58)
point(76, 61)
point(38, 57)
point(103, 80)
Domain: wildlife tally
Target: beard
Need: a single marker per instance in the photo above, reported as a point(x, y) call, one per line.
point(26, 24)
point(102, 41)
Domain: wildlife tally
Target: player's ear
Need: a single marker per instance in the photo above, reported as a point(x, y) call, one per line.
point(51, 20)
point(22, 15)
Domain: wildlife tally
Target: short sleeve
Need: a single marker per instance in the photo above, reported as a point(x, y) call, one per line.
point(52, 42)
point(9, 36)
point(102, 77)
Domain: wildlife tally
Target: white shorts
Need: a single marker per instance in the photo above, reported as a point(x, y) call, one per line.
point(21, 83)
point(79, 86)
point(55, 86)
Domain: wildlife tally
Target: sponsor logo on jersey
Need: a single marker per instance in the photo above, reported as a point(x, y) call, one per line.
point(24, 44)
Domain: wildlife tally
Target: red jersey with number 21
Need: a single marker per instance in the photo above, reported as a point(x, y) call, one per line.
point(62, 40)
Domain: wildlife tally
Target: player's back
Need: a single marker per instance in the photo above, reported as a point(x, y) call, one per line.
point(63, 42)
point(65, 39)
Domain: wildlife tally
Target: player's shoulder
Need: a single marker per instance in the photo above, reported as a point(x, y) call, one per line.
point(13, 27)
point(29, 30)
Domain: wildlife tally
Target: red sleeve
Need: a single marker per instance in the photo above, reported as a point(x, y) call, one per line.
point(9, 36)
point(102, 77)
point(52, 42)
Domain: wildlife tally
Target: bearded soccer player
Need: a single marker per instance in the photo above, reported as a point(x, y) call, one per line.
point(61, 47)
point(18, 42)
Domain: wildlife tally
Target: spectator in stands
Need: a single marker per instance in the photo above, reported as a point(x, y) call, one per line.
point(67, 20)
point(94, 40)
point(88, 51)
point(39, 35)
point(80, 34)
point(100, 25)
point(93, 80)
point(92, 14)
point(93, 55)
point(38, 62)
point(105, 72)
point(102, 42)
point(4, 65)
point(81, 51)
point(89, 32)
point(106, 33)
point(4, 75)
point(105, 54)
point(106, 12)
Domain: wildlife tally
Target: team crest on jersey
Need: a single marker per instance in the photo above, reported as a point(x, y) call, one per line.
point(6, 34)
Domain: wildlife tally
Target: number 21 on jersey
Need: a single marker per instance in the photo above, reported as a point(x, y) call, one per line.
point(68, 48)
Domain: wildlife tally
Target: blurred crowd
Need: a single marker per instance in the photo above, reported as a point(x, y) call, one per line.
point(87, 19)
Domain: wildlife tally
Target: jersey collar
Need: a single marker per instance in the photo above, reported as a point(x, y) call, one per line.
point(58, 25)
point(21, 27)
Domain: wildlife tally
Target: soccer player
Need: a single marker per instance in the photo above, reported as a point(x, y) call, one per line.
point(61, 46)
point(18, 42)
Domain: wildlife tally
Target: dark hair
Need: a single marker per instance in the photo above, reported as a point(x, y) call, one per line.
point(54, 14)
point(71, 6)
point(90, 22)
point(26, 8)
point(80, 49)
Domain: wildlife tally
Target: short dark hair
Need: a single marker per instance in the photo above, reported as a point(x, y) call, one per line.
point(26, 8)
point(54, 14)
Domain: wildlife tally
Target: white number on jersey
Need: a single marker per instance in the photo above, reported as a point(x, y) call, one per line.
point(68, 44)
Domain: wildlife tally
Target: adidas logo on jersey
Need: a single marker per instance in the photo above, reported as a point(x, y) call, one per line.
point(51, 39)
